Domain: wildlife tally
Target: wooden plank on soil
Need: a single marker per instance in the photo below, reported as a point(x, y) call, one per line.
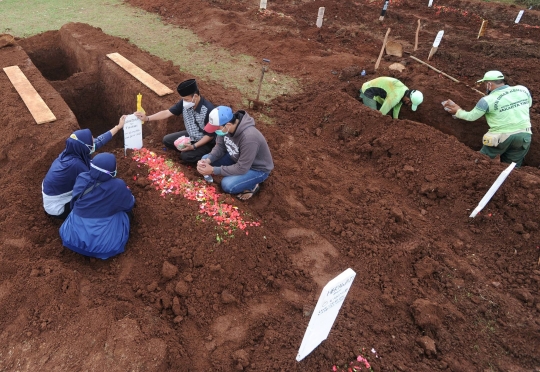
point(139, 74)
point(31, 98)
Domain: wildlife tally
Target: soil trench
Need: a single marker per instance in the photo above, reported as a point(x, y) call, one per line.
point(390, 199)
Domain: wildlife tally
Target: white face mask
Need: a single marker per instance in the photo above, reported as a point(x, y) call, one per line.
point(188, 104)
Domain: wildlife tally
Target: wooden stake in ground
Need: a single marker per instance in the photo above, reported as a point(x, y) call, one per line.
point(520, 14)
point(382, 49)
point(482, 28)
point(416, 37)
point(320, 17)
point(31, 98)
point(436, 44)
point(383, 12)
point(263, 4)
point(430, 3)
point(442, 73)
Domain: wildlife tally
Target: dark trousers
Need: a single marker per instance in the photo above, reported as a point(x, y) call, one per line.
point(188, 156)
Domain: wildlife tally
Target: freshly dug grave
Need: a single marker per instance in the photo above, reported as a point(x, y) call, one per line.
point(435, 290)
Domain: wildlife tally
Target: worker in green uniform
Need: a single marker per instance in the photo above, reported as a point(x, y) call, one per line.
point(386, 93)
point(507, 113)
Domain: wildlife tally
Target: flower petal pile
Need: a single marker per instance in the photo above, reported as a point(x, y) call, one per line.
point(168, 179)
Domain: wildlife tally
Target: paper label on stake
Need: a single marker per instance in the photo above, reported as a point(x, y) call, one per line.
point(320, 17)
point(430, 3)
point(325, 313)
point(520, 14)
point(438, 39)
point(263, 4)
point(133, 133)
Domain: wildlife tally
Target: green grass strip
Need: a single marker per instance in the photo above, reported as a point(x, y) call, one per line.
point(25, 18)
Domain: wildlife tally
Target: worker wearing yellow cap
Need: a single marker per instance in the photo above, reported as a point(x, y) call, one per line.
point(387, 93)
point(506, 110)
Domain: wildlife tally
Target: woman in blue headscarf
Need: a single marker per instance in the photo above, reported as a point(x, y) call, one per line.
point(57, 187)
point(98, 225)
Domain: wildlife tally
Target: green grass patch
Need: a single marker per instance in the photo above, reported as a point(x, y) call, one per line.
point(25, 18)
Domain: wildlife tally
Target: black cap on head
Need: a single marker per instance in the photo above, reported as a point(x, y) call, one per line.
point(187, 88)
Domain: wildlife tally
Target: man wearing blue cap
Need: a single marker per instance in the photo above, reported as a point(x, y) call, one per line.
point(241, 154)
point(506, 110)
point(195, 110)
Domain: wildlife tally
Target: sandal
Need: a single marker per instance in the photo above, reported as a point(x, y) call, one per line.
point(248, 194)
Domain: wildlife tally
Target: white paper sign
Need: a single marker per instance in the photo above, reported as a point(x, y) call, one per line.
point(133, 133)
point(492, 190)
point(325, 313)
point(520, 14)
point(320, 17)
point(438, 39)
point(263, 4)
point(430, 3)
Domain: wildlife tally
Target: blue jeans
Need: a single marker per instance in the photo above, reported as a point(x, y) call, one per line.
point(240, 182)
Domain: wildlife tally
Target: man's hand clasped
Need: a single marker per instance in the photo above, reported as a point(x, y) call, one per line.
point(204, 167)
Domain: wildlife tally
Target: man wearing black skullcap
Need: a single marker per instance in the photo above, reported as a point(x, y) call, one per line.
point(195, 110)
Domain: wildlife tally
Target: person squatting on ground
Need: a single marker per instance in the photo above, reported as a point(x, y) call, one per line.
point(386, 93)
point(57, 186)
point(241, 153)
point(507, 113)
point(195, 110)
point(99, 223)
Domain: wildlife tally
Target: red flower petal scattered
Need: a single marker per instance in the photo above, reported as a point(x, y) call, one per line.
point(168, 178)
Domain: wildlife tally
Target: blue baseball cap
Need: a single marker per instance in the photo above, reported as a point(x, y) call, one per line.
point(218, 117)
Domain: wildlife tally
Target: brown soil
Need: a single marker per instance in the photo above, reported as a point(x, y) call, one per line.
point(388, 198)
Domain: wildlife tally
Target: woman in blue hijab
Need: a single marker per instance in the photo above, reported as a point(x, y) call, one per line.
point(57, 187)
point(98, 225)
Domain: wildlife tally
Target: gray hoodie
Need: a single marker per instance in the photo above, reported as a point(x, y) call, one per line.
point(246, 146)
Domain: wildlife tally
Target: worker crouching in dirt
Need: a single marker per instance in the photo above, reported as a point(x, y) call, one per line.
point(507, 113)
point(57, 186)
point(99, 223)
point(195, 110)
point(241, 153)
point(386, 93)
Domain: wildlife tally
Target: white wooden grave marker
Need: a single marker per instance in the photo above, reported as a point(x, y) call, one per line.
point(520, 14)
point(132, 133)
point(436, 44)
point(263, 4)
point(492, 190)
point(383, 12)
point(430, 3)
point(320, 16)
point(325, 313)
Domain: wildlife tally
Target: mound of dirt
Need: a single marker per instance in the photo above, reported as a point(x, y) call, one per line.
point(434, 289)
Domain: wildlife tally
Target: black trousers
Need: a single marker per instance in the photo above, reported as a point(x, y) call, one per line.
point(188, 156)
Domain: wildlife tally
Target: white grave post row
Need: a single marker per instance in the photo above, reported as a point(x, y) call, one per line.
point(320, 16)
point(520, 14)
point(325, 312)
point(132, 133)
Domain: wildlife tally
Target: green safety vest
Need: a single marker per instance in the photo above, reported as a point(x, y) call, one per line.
point(395, 90)
point(508, 109)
